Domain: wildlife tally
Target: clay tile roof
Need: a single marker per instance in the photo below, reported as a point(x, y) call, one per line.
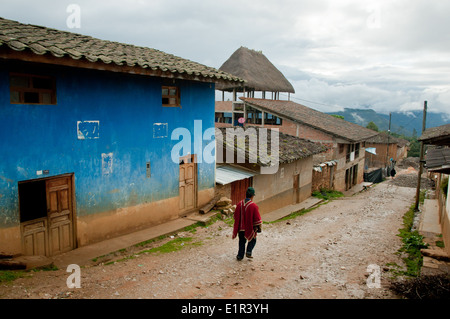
point(439, 135)
point(383, 138)
point(290, 148)
point(315, 119)
point(257, 70)
point(438, 159)
point(50, 42)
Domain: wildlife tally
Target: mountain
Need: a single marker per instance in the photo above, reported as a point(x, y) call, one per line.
point(401, 122)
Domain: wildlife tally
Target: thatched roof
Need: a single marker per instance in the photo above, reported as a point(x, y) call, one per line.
point(257, 70)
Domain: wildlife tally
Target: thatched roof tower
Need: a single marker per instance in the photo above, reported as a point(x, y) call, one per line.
point(257, 70)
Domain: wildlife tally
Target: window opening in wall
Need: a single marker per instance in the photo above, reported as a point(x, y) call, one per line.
point(170, 96)
point(357, 146)
point(271, 119)
point(254, 116)
point(32, 89)
point(224, 117)
point(32, 200)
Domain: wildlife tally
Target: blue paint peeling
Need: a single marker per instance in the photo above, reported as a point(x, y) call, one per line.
point(160, 130)
point(88, 130)
point(109, 169)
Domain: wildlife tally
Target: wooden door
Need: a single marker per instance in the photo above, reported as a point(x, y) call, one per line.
point(296, 190)
point(187, 186)
point(348, 174)
point(60, 215)
point(238, 190)
point(355, 175)
point(35, 237)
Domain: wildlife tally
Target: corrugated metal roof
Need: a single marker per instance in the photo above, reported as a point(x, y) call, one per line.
point(228, 174)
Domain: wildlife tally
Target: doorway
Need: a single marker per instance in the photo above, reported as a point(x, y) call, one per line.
point(46, 215)
point(188, 184)
point(296, 187)
point(239, 188)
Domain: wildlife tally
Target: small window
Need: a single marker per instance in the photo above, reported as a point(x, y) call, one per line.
point(170, 96)
point(271, 119)
point(32, 89)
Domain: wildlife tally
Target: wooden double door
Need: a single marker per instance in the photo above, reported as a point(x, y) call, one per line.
point(47, 217)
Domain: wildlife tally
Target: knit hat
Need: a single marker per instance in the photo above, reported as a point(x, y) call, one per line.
point(250, 192)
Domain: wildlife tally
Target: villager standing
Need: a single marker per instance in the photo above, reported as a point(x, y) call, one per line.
point(247, 223)
point(392, 172)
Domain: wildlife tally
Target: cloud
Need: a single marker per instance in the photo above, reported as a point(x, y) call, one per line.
point(383, 54)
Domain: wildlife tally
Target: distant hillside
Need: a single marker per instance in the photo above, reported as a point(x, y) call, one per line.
point(401, 123)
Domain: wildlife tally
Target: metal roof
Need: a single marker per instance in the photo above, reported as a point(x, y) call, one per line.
point(228, 174)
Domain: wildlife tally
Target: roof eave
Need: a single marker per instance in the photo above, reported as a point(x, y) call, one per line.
point(307, 124)
point(28, 55)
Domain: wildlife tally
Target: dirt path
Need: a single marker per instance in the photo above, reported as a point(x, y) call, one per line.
point(322, 254)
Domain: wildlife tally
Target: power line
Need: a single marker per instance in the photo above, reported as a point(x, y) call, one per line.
point(319, 103)
point(403, 128)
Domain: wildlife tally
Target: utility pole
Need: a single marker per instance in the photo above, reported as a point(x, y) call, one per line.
point(416, 207)
point(389, 135)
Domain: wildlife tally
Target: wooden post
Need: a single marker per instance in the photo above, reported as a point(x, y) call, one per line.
point(416, 207)
point(389, 135)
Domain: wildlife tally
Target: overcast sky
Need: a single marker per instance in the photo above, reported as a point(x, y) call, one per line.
point(388, 55)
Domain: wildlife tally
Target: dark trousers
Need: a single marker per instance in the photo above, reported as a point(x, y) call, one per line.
point(242, 241)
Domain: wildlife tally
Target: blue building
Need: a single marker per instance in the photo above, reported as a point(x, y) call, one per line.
point(86, 138)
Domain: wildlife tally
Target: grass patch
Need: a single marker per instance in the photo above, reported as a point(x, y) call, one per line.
point(170, 246)
point(440, 244)
point(11, 275)
point(296, 214)
point(327, 194)
point(173, 245)
point(412, 243)
point(229, 221)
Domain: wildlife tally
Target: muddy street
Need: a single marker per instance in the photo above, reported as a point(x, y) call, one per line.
point(333, 251)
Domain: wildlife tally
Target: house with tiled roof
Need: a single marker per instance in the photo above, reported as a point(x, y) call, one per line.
point(437, 163)
point(339, 168)
point(89, 141)
point(386, 147)
point(279, 166)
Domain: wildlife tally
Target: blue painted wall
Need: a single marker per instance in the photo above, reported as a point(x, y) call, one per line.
point(44, 137)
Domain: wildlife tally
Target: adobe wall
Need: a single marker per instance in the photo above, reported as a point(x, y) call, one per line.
point(276, 190)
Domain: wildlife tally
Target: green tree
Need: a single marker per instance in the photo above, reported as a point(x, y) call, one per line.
point(338, 116)
point(414, 148)
point(371, 125)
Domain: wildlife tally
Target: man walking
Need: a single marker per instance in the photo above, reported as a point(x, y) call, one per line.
point(247, 223)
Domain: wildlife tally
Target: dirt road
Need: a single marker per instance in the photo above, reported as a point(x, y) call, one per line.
point(322, 254)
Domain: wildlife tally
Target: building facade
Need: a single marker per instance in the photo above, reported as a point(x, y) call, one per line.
point(87, 151)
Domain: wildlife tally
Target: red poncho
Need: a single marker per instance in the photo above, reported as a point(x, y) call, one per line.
point(246, 217)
